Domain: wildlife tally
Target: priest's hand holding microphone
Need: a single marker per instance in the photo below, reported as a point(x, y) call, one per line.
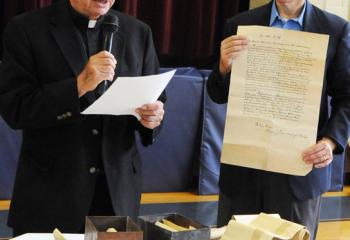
point(101, 67)
point(100, 70)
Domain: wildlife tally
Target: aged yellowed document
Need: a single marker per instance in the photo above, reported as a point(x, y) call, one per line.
point(265, 227)
point(274, 99)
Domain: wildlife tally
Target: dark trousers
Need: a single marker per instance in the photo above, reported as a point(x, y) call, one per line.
point(101, 203)
point(269, 193)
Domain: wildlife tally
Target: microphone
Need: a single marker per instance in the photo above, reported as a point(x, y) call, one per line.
point(110, 26)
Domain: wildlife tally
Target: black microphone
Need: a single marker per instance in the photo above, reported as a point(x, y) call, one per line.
point(110, 26)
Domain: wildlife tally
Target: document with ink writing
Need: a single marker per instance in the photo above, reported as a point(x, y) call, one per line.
point(274, 99)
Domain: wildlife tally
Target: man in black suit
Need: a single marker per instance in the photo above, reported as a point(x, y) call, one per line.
point(250, 191)
point(73, 165)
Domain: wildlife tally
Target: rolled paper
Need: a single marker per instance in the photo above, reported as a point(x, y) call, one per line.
point(58, 235)
point(174, 226)
point(166, 227)
point(111, 230)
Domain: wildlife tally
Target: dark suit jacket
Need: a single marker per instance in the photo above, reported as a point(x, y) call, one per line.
point(38, 93)
point(336, 85)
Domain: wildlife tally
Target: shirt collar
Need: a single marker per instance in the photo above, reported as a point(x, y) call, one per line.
point(276, 16)
point(82, 22)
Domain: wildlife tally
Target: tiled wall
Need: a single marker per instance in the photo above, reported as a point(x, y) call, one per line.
point(339, 7)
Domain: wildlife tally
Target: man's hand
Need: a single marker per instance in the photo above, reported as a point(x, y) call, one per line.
point(151, 114)
point(99, 67)
point(230, 49)
point(320, 154)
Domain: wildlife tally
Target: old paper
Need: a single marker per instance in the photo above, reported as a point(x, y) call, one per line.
point(265, 227)
point(58, 235)
point(247, 219)
point(217, 233)
point(274, 99)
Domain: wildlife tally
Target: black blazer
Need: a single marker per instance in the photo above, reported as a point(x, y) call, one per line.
point(38, 93)
point(332, 123)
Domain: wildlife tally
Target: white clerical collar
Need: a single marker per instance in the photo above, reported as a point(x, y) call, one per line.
point(92, 23)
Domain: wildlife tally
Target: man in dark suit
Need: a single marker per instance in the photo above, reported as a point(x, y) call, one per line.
point(73, 165)
point(250, 191)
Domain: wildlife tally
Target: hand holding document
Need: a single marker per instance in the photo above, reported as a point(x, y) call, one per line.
point(274, 99)
point(128, 93)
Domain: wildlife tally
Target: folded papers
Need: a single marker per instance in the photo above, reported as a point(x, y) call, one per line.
point(58, 235)
point(111, 230)
point(172, 227)
point(265, 227)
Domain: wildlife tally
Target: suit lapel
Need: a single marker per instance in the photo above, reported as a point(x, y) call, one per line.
point(312, 25)
point(310, 20)
point(264, 18)
point(68, 40)
point(118, 47)
point(70, 43)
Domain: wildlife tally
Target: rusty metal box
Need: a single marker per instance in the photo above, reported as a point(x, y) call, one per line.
point(96, 227)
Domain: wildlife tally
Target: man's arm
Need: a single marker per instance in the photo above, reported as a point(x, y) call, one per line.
point(151, 113)
point(338, 128)
point(219, 80)
point(25, 102)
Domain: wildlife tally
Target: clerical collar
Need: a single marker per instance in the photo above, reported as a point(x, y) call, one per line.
point(82, 22)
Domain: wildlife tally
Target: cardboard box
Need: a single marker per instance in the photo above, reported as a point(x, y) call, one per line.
point(153, 232)
point(96, 227)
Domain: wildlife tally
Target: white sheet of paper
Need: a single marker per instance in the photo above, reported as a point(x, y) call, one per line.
point(274, 100)
point(128, 93)
point(48, 236)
